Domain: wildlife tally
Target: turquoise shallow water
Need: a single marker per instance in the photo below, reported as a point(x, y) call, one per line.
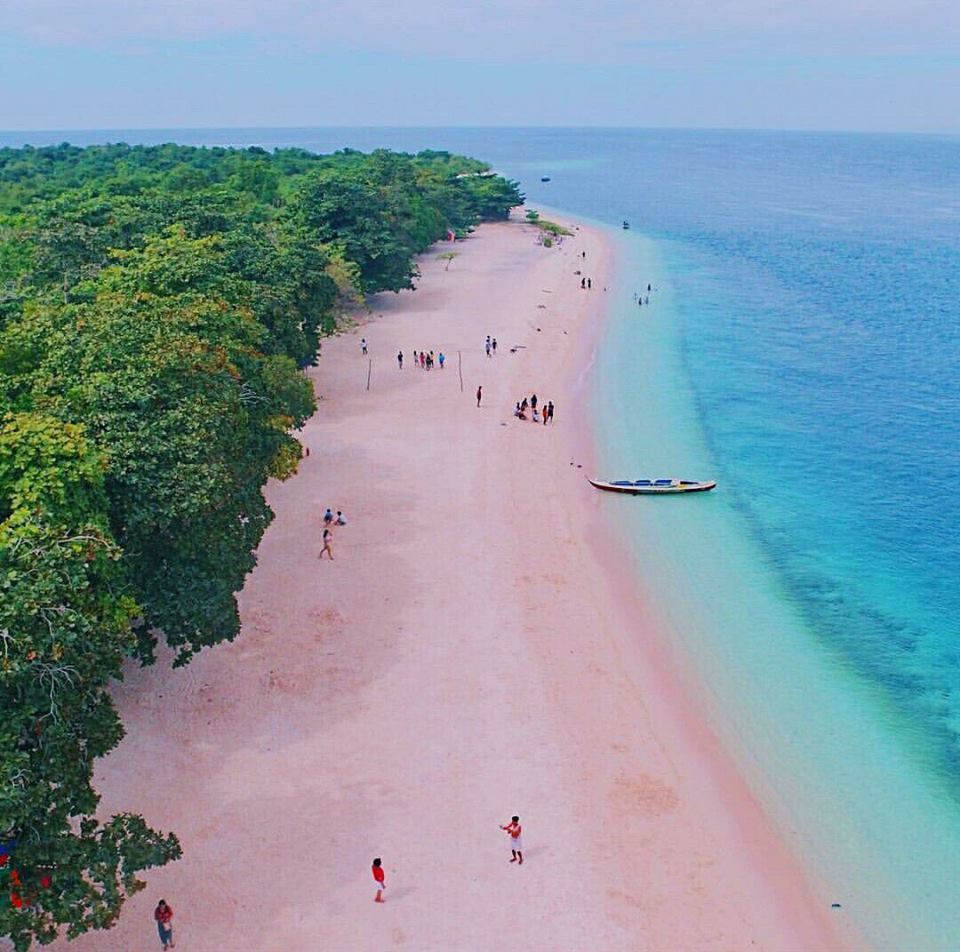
point(803, 348)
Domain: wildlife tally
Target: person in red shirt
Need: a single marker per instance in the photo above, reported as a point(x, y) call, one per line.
point(377, 870)
point(163, 916)
point(515, 831)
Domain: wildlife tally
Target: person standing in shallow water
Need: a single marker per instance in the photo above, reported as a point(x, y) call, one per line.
point(163, 916)
point(377, 870)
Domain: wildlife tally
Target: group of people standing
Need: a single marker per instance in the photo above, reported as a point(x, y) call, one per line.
point(513, 830)
point(638, 296)
point(423, 359)
point(538, 412)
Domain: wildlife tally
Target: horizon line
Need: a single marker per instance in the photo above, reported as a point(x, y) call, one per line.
point(461, 126)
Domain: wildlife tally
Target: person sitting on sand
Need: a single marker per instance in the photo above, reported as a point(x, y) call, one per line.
point(536, 415)
point(341, 519)
point(515, 831)
point(327, 544)
point(377, 870)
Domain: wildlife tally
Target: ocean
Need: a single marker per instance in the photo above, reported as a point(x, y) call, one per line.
point(802, 347)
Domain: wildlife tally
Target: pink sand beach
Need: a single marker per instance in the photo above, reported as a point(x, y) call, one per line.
point(470, 654)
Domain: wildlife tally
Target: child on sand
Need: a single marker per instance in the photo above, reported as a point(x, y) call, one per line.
point(327, 544)
point(515, 831)
point(163, 916)
point(377, 870)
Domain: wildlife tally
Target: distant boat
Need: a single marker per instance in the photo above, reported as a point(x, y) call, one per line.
point(544, 178)
point(626, 225)
point(653, 487)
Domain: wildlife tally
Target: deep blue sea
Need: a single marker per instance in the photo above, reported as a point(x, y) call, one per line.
point(802, 346)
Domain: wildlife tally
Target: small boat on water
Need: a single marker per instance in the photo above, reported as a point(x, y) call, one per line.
point(544, 178)
point(626, 225)
point(653, 487)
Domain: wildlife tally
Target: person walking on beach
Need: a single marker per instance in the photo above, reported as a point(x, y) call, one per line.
point(377, 870)
point(549, 412)
point(487, 346)
point(400, 359)
point(441, 359)
point(363, 345)
point(494, 345)
point(327, 544)
point(515, 831)
point(479, 395)
point(533, 402)
point(583, 283)
point(589, 288)
point(163, 916)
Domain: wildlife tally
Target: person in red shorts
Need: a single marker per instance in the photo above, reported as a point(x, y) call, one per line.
point(515, 831)
point(377, 870)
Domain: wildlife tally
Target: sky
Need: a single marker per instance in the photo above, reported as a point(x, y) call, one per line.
point(854, 65)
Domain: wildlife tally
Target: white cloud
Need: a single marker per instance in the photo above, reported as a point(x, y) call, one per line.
point(586, 31)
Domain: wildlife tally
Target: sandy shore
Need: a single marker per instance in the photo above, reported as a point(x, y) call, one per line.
point(469, 655)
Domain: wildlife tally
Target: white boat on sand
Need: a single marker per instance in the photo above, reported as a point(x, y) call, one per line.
point(653, 487)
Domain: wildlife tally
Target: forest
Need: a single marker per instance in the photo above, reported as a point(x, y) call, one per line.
point(158, 308)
